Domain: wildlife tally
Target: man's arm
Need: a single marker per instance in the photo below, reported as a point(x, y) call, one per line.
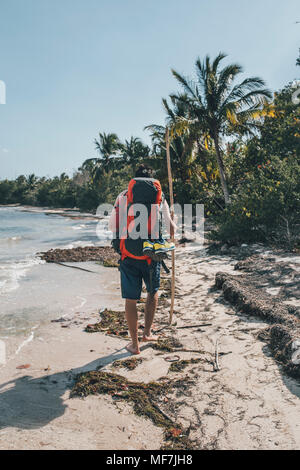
point(113, 220)
point(113, 223)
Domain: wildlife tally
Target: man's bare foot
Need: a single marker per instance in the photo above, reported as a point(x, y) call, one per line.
point(149, 338)
point(133, 349)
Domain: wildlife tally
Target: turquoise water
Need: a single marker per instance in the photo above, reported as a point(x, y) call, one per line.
point(23, 234)
point(32, 291)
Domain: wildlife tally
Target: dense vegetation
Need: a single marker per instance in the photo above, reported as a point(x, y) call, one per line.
point(234, 147)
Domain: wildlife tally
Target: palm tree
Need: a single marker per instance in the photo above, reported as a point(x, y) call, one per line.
point(108, 146)
point(31, 181)
point(216, 107)
point(188, 147)
point(134, 151)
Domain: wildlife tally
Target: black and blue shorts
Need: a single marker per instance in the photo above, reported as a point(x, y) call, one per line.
point(134, 272)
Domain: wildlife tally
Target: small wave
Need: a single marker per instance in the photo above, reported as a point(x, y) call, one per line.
point(7, 208)
point(10, 239)
point(78, 227)
point(78, 243)
point(21, 346)
point(26, 341)
point(11, 273)
point(82, 303)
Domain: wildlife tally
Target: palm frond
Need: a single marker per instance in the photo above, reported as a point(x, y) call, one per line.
point(155, 128)
point(187, 84)
point(221, 56)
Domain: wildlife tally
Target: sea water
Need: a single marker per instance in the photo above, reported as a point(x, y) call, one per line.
point(32, 291)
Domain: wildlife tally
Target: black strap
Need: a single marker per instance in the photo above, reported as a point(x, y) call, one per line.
point(165, 267)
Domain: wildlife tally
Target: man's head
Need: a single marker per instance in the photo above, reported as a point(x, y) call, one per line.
point(145, 171)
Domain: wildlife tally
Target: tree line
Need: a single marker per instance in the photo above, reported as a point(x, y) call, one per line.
point(234, 147)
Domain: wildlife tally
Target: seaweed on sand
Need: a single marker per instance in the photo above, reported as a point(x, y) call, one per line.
point(285, 345)
point(284, 336)
point(178, 366)
point(104, 254)
point(142, 396)
point(110, 263)
point(112, 323)
point(253, 301)
point(129, 364)
point(165, 284)
point(167, 344)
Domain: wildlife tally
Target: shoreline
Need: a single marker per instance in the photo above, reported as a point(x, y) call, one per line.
point(73, 213)
point(55, 286)
point(35, 279)
point(263, 394)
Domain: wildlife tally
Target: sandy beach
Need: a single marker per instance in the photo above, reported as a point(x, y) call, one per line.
point(250, 403)
point(150, 151)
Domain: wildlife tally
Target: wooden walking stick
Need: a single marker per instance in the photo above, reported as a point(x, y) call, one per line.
point(172, 217)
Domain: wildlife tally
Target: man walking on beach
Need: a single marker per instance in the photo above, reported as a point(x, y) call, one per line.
point(135, 267)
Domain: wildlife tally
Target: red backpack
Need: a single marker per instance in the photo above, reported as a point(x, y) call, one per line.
point(146, 191)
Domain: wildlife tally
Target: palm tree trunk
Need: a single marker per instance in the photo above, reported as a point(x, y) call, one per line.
point(222, 171)
point(203, 161)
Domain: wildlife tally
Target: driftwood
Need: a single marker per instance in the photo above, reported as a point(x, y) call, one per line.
point(197, 351)
point(75, 267)
point(194, 326)
point(172, 217)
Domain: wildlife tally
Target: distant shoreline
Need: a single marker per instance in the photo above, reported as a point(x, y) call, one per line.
point(73, 213)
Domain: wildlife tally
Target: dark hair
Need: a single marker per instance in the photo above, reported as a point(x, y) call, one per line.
point(144, 171)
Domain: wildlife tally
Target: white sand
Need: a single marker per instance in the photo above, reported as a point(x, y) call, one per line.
point(248, 404)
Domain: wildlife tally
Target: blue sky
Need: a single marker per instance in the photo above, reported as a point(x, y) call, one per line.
point(73, 68)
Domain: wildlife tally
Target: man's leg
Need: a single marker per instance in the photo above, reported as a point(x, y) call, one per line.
point(131, 285)
point(152, 281)
point(150, 308)
point(132, 320)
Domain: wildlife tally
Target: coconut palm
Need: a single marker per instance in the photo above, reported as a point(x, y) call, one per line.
point(216, 107)
point(108, 145)
point(187, 146)
point(31, 181)
point(134, 151)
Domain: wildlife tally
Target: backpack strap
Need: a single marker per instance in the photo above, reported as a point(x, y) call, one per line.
point(159, 196)
point(153, 217)
point(130, 191)
point(126, 254)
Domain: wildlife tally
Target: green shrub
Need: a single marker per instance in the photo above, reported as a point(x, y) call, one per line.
point(265, 207)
